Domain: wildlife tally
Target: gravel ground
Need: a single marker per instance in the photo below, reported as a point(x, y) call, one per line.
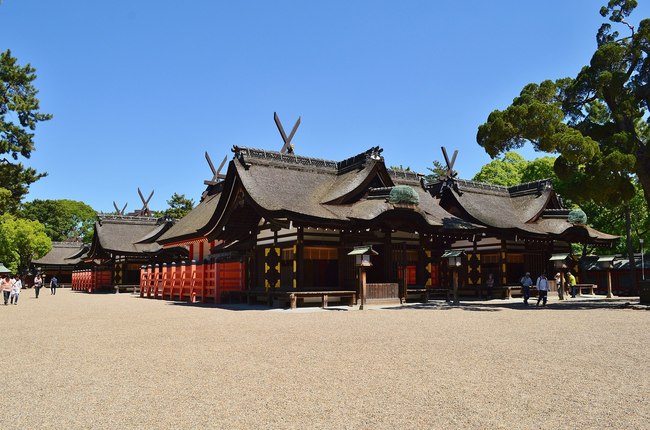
point(78, 360)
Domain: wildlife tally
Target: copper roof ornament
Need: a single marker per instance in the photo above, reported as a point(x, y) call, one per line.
point(287, 147)
point(217, 176)
point(117, 210)
point(145, 211)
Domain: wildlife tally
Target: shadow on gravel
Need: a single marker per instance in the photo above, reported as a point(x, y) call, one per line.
point(226, 307)
point(570, 305)
point(441, 305)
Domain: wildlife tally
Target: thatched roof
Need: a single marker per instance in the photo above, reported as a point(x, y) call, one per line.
point(316, 192)
point(529, 209)
point(191, 226)
point(126, 235)
point(61, 253)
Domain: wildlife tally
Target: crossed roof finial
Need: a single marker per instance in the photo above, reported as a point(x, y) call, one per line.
point(287, 147)
point(145, 204)
point(450, 173)
point(119, 212)
point(216, 173)
point(449, 178)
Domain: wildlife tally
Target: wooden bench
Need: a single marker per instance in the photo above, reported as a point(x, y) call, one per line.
point(589, 287)
point(432, 293)
point(324, 296)
point(420, 294)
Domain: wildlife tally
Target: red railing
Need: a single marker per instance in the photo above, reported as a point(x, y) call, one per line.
point(91, 280)
point(193, 282)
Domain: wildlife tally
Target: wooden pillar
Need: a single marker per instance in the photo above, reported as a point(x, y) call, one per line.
point(503, 267)
point(300, 260)
point(388, 257)
point(362, 286)
point(609, 283)
point(194, 292)
point(144, 280)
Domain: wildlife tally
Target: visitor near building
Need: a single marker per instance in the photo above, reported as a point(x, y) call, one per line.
point(571, 283)
point(542, 289)
point(38, 284)
point(5, 286)
point(560, 287)
point(54, 283)
point(489, 285)
point(526, 282)
point(15, 290)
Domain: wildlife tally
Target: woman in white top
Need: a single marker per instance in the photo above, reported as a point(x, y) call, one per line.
point(38, 284)
point(542, 289)
point(15, 290)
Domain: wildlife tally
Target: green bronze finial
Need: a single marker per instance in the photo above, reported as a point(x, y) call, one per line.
point(577, 217)
point(403, 194)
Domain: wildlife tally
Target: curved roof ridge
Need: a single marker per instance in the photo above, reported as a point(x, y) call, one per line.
point(127, 218)
point(533, 186)
point(263, 154)
point(360, 159)
point(67, 244)
point(466, 185)
point(405, 175)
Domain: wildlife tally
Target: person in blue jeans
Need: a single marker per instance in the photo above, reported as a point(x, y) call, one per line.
point(526, 282)
point(5, 287)
point(542, 289)
point(53, 284)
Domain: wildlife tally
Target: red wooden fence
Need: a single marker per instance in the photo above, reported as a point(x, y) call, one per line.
point(193, 282)
point(91, 280)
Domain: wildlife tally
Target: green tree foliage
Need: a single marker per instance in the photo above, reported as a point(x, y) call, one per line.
point(63, 219)
point(612, 220)
point(513, 169)
point(5, 200)
point(21, 241)
point(595, 121)
point(179, 206)
point(19, 115)
point(506, 171)
point(600, 217)
point(437, 171)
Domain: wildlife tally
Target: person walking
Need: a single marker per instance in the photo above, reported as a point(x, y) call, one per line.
point(542, 289)
point(558, 284)
point(53, 284)
point(15, 290)
point(5, 286)
point(526, 282)
point(571, 283)
point(489, 285)
point(38, 284)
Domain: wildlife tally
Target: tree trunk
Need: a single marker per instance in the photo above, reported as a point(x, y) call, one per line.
point(643, 171)
point(630, 249)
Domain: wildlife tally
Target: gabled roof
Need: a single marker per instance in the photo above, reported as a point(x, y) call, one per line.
point(191, 226)
point(125, 235)
point(501, 207)
point(315, 192)
point(531, 209)
point(61, 253)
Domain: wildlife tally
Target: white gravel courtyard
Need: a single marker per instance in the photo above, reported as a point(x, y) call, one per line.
point(77, 360)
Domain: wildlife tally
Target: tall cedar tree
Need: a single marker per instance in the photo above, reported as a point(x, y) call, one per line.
point(19, 114)
point(595, 121)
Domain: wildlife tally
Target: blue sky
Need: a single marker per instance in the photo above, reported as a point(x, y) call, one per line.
point(141, 89)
